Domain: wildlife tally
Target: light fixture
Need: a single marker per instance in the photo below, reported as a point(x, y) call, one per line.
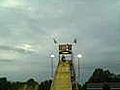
point(79, 56)
point(52, 56)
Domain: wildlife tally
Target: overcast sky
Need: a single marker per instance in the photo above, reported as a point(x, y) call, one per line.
point(28, 26)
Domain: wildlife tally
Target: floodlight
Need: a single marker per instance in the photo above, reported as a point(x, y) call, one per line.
point(79, 56)
point(52, 56)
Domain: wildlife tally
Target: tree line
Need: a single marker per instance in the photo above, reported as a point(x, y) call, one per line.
point(28, 85)
point(98, 76)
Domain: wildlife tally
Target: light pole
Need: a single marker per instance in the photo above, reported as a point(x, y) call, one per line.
point(79, 56)
point(52, 57)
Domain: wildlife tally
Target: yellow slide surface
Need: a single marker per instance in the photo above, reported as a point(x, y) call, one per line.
point(62, 78)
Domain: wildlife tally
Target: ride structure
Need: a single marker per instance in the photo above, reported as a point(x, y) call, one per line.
point(65, 76)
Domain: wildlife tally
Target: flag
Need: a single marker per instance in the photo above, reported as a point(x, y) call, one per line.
point(75, 40)
point(55, 41)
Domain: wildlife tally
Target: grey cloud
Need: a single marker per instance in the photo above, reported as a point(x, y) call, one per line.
point(6, 60)
point(95, 23)
point(19, 50)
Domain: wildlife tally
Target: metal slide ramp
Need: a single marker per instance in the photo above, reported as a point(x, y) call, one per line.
point(62, 78)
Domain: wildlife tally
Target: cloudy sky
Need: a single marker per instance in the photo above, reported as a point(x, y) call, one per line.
point(28, 26)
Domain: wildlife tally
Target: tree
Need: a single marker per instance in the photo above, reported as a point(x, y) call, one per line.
point(45, 85)
point(106, 87)
point(100, 75)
